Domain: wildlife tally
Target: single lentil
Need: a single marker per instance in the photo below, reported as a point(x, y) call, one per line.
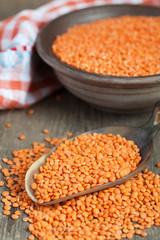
point(31, 237)
point(5, 160)
point(9, 162)
point(5, 193)
point(21, 137)
point(8, 125)
point(46, 131)
point(122, 46)
point(47, 139)
point(69, 134)
point(30, 112)
point(6, 212)
point(1, 183)
point(158, 165)
point(14, 216)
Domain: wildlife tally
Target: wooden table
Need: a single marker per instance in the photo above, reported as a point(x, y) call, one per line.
point(68, 114)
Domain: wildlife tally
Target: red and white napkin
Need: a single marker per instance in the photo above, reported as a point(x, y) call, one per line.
point(24, 78)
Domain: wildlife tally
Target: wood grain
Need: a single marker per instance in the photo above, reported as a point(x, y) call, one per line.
point(11, 7)
point(68, 114)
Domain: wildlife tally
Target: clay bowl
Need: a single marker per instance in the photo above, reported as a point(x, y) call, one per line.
point(111, 93)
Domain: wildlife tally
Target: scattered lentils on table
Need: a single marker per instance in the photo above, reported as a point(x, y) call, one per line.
point(114, 213)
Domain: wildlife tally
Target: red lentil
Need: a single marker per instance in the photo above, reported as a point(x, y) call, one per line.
point(5, 160)
point(158, 165)
point(69, 134)
point(7, 207)
point(143, 234)
point(8, 125)
point(5, 193)
point(30, 112)
point(47, 139)
point(14, 216)
point(46, 131)
point(6, 212)
point(1, 183)
point(108, 214)
point(33, 185)
point(21, 137)
point(122, 46)
point(9, 162)
point(31, 237)
point(15, 204)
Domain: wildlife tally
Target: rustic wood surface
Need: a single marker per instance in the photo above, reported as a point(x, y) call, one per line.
point(11, 7)
point(68, 114)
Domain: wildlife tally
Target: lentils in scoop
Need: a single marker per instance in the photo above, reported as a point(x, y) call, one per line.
point(88, 161)
point(122, 46)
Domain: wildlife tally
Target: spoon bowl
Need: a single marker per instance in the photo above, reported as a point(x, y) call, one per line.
point(142, 137)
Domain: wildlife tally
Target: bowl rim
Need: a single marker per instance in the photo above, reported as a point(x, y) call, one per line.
point(90, 77)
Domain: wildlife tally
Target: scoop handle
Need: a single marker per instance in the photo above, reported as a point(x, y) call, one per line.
point(153, 125)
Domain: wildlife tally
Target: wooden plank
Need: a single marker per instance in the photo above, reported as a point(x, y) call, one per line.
point(11, 7)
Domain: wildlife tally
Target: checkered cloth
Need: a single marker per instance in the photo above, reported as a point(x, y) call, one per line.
point(24, 78)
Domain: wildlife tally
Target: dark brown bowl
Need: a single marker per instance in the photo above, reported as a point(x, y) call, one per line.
point(111, 93)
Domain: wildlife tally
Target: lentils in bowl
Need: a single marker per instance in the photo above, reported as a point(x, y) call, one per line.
point(122, 46)
point(107, 55)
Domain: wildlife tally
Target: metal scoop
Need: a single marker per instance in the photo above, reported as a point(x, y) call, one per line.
point(142, 137)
